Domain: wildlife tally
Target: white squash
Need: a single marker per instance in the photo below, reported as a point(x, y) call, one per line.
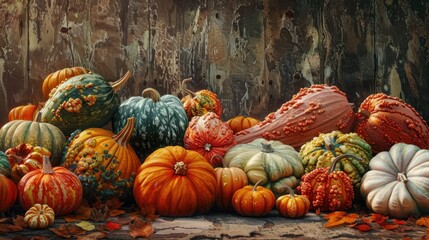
point(397, 183)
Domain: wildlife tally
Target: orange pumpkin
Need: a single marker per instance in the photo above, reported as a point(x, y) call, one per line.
point(25, 158)
point(175, 182)
point(228, 180)
point(55, 78)
point(8, 193)
point(292, 205)
point(24, 112)
point(239, 123)
point(256, 201)
point(39, 216)
point(57, 187)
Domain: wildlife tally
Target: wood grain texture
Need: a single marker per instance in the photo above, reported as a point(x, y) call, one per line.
point(255, 54)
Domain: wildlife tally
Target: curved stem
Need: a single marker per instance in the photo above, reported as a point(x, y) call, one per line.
point(334, 163)
point(123, 137)
point(151, 93)
point(256, 185)
point(329, 144)
point(215, 155)
point(289, 189)
point(185, 89)
point(116, 85)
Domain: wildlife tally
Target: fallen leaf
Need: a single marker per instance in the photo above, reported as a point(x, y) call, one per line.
point(340, 219)
point(140, 228)
point(116, 212)
point(7, 228)
point(3, 220)
point(362, 227)
point(378, 218)
point(93, 235)
point(19, 221)
point(85, 225)
point(366, 220)
point(148, 213)
point(100, 214)
point(399, 222)
point(423, 221)
point(389, 226)
point(112, 226)
point(114, 203)
point(68, 230)
point(82, 213)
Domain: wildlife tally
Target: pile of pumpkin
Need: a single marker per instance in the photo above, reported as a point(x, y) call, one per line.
point(179, 157)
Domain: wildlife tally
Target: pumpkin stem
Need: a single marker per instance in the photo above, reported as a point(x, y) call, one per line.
point(38, 117)
point(329, 144)
point(402, 178)
point(185, 89)
point(116, 85)
point(151, 93)
point(207, 147)
point(47, 166)
point(290, 191)
point(180, 168)
point(337, 159)
point(267, 148)
point(125, 134)
point(256, 185)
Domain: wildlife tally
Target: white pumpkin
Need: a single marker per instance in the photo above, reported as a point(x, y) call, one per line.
point(397, 183)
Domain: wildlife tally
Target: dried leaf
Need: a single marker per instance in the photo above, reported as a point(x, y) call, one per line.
point(112, 226)
point(7, 228)
point(114, 203)
point(378, 218)
point(148, 213)
point(19, 221)
point(140, 228)
point(93, 235)
point(82, 213)
point(340, 218)
point(100, 214)
point(398, 221)
point(85, 225)
point(423, 221)
point(68, 230)
point(116, 212)
point(389, 226)
point(366, 220)
point(362, 227)
point(2, 220)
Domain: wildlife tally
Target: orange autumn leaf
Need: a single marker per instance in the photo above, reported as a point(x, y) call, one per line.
point(148, 213)
point(114, 203)
point(399, 222)
point(68, 230)
point(378, 218)
point(7, 228)
point(340, 218)
point(362, 227)
point(19, 221)
point(116, 212)
point(112, 226)
point(3, 219)
point(93, 235)
point(423, 221)
point(366, 220)
point(140, 228)
point(389, 226)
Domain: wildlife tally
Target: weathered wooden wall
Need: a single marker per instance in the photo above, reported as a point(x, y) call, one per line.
point(255, 54)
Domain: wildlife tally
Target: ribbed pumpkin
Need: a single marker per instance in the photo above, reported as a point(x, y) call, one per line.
point(175, 182)
point(105, 163)
point(239, 123)
point(57, 77)
point(25, 158)
point(160, 121)
point(314, 110)
point(209, 136)
point(253, 201)
point(228, 181)
point(57, 187)
point(39, 216)
point(200, 102)
point(5, 167)
point(397, 183)
point(24, 112)
point(35, 133)
point(292, 205)
point(384, 120)
point(328, 189)
point(8, 193)
point(323, 149)
point(81, 102)
point(276, 164)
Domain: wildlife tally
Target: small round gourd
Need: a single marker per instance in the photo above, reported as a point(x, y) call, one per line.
point(239, 123)
point(292, 205)
point(228, 181)
point(39, 216)
point(253, 201)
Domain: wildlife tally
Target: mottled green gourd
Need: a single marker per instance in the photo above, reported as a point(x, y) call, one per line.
point(82, 102)
point(322, 150)
point(160, 121)
point(5, 167)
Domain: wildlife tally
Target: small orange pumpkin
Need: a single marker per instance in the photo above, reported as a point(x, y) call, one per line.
point(239, 123)
point(228, 181)
point(292, 205)
point(39, 216)
point(55, 78)
point(24, 112)
point(256, 201)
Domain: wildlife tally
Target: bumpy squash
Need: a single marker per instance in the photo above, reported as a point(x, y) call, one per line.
point(57, 77)
point(105, 163)
point(57, 187)
point(201, 102)
point(5, 167)
point(323, 149)
point(314, 110)
point(160, 121)
point(328, 189)
point(397, 183)
point(39, 216)
point(384, 120)
point(209, 136)
point(276, 164)
point(8, 193)
point(175, 182)
point(35, 133)
point(81, 102)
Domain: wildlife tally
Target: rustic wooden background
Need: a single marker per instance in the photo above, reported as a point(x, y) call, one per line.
point(255, 54)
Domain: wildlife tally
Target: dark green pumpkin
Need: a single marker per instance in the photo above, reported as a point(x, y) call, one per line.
point(5, 167)
point(160, 121)
point(82, 102)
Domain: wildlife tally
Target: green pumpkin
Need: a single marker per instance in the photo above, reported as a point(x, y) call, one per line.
point(323, 149)
point(160, 121)
point(35, 133)
point(5, 167)
point(278, 165)
point(82, 102)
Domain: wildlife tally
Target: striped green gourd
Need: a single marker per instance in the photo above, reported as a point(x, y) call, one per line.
point(82, 102)
point(160, 121)
point(5, 167)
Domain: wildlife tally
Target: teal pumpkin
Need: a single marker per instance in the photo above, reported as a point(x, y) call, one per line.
point(160, 121)
point(5, 167)
point(82, 102)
